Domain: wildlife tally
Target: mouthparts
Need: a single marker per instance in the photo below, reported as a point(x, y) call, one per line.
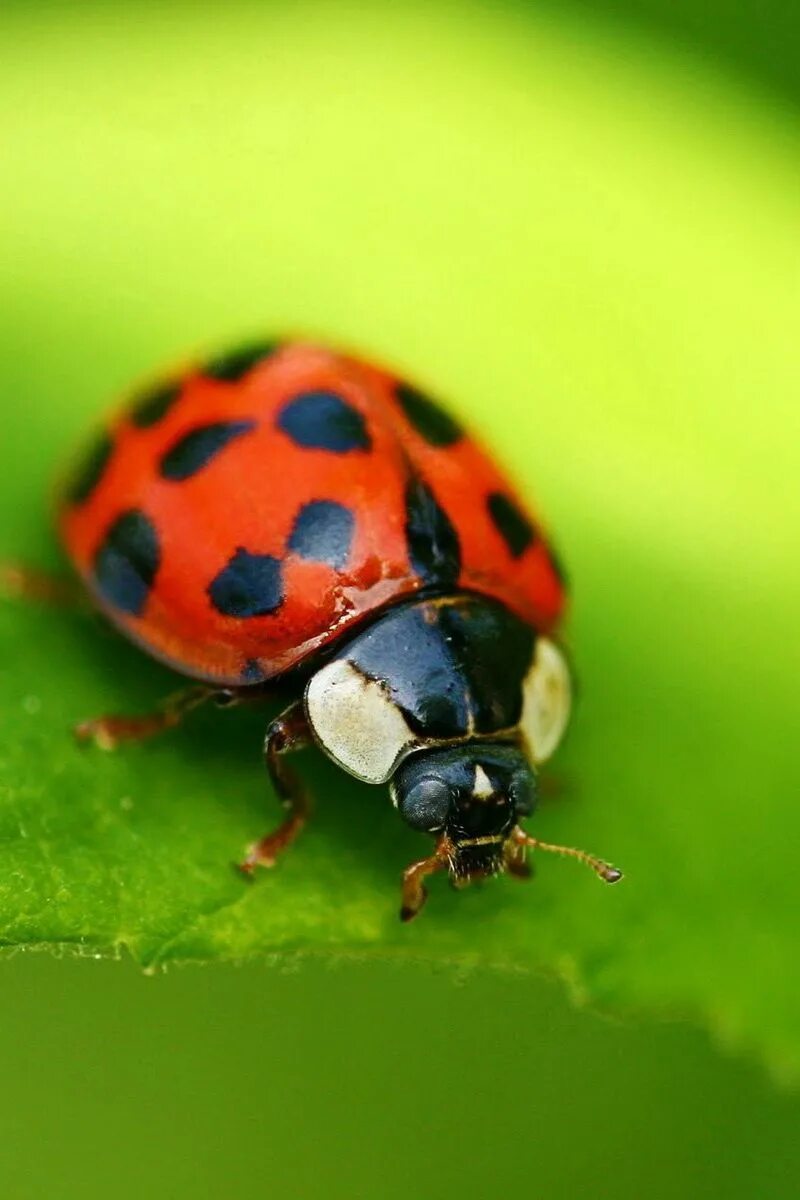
point(475, 858)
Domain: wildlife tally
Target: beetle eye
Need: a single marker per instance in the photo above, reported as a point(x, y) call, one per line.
point(426, 805)
point(523, 792)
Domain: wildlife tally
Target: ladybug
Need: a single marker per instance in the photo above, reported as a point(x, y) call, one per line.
point(285, 514)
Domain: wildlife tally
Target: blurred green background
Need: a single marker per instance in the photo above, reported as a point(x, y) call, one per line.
point(601, 199)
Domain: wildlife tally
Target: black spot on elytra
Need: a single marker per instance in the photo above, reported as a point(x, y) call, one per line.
point(324, 421)
point(323, 531)
point(433, 544)
point(511, 523)
point(150, 406)
point(196, 449)
point(233, 365)
point(126, 562)
point(249, 586)
point(430, 421)
point(90, 470)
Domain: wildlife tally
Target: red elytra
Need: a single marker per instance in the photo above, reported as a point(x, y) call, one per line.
point(217, 470)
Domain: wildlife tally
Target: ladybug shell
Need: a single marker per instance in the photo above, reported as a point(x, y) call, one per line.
point(237, 518)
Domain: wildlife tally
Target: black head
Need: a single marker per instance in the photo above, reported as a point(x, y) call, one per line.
point(474, 795)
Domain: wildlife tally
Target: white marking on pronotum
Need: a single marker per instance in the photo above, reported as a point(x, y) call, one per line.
point(356, 723)
point(482, 788)
point(547, 698)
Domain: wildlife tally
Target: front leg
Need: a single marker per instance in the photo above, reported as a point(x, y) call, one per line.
point(107, 732)
point(515, 861)
point(287, 732)
point(21, 582)
point(414, 892)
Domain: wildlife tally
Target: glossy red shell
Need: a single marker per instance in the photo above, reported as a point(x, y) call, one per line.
point(248, 496)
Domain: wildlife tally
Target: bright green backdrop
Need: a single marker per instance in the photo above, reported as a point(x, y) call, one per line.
point(591, 242)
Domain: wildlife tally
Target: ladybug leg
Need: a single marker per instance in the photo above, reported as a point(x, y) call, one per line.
point(515, 860)
point(287, 732)
point(414, 892)
point(108, 732)
point(19, 581)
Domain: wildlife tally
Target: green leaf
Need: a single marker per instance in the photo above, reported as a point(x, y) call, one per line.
point(594, 250)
